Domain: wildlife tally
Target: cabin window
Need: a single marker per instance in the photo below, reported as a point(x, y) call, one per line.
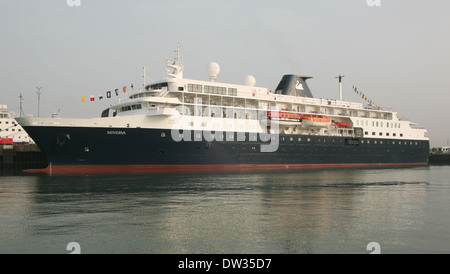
point(216, 90)
point(232, 92)
point(401, 134)
point(195, 88)
point(158, 86)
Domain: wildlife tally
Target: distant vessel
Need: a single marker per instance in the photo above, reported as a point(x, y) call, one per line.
point(185, 124)
point(10, 131)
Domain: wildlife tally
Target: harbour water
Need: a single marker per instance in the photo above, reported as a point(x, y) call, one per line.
point(404, 210)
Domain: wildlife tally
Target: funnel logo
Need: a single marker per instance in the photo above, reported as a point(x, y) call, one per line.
point(73, 3)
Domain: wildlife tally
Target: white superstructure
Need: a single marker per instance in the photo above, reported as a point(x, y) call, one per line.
point(211, 105)
point(10, 129)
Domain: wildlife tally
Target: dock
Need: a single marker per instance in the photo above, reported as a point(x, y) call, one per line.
point(21, 157)
point(439, 159)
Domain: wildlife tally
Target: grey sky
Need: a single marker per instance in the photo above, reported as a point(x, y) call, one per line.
point(397, 53)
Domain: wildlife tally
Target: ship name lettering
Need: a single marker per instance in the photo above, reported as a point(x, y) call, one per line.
point(116, 132)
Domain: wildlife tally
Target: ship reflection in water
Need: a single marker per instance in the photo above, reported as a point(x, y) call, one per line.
point(308, 211)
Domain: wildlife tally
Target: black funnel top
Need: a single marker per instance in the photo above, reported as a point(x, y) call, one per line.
point(294, 85)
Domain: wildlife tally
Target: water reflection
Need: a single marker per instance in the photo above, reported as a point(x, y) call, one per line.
point(312, 211)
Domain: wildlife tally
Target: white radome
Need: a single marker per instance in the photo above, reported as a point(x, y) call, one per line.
point(250, 81)
point(213, 70)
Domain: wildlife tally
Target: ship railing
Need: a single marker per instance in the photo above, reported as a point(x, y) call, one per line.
point(416, 126)
point(162, 93)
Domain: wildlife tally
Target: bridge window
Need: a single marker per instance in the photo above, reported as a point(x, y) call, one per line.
point(195, 88)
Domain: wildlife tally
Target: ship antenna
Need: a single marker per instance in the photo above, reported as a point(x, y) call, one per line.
point(177, 65)
point(340, 85)
point(179, 56)
point(21, 114)
point(39, 92)
point(143, 76)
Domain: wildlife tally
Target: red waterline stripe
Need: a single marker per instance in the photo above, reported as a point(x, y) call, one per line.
point(134, 169)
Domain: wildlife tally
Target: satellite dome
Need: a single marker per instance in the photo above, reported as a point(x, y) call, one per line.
point(250, 81)
point(212, 69)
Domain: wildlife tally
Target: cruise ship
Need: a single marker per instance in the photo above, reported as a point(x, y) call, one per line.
point(10, 131)
point(186, 124)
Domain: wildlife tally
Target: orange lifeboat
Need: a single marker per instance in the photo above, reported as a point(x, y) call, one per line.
point(287, 118)
point(284, 115)
point(341, 124)
point(312, 120)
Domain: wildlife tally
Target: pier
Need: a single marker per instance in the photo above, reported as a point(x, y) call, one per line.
point(439, 159)
point(20, 157)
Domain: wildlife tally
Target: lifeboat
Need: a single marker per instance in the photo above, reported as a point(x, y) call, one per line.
point(312, 120)
point(342, 124)
point(284, 118)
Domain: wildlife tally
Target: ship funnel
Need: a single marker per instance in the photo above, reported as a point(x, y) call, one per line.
point(294, 85)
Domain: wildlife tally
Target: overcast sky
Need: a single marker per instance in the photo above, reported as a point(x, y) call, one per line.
point(396, 53)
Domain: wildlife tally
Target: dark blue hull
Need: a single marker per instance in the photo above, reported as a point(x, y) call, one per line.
point(78, 146)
